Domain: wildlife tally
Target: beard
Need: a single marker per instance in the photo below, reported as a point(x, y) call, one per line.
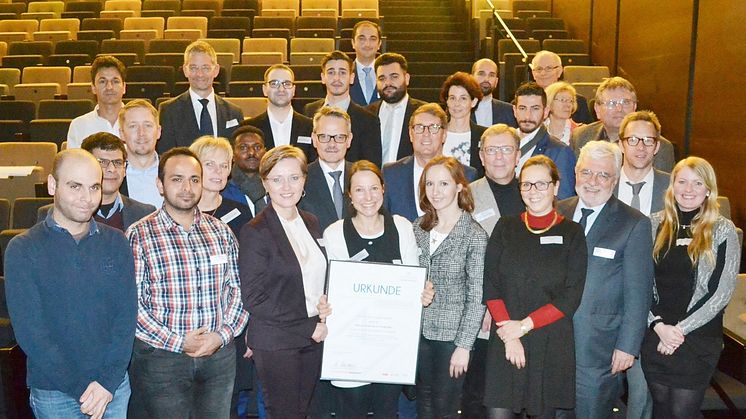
point(395, 96)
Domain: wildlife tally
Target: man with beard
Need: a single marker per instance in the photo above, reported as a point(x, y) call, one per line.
point(337, 76)
point(396, 108)
point(139, 129)
point(490, 111)
point(280, 124)
point(189, 301)
point(530, 108)
point(245, 185)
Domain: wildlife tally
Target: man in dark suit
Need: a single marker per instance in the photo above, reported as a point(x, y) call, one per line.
point(116, 210)
point(280, 124)
point(611, 320)
point(490, 111)
point(198, 111)
point(396, 108)
point(329, 174)
point(546, 68)
point(245, 185)
point(427, 129)
point(366, 41)
point(337, 75)
point(616, 98)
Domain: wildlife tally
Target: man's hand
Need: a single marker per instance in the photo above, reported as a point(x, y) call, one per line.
point(191, 343)
point(248, 354)
point(428, 294)
point(459, 362)
point(209, 343)
point(324, 308)
point(621, 361)
point(486, 321)
point(671, 336)
point(319, 334)
point(514, 353)
point(94, 400)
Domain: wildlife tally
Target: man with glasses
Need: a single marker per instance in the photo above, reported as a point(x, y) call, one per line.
point(198, 111)
point(490, 111)
point(427, 130)
point(612, 317)
point(281, 124)
point(139, 129)
point(616, 98)
point(546, 68)
point(116, 210)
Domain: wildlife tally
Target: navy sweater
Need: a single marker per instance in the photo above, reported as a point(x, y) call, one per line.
point(73, 305)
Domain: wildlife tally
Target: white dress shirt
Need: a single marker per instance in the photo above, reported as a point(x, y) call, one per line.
point(211, 108)
point(88, 124)
point(360, 76)
point(281, 129)
point(398, 109)
point(329, 179)
point(591, 218)
point(483, 113)
point(530, 136)
point(646, 192)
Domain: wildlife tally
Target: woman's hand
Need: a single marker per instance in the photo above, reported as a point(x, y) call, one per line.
point(428, 294)
point(319, 334)
point(514, 353)
point(665, 350)
point(486, 321)
point(512, 329)
point(459, 362)
point(249, 353)
point(671, 336)
point(324, 308)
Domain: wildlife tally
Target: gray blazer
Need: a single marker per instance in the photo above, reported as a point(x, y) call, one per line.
point(456, 269)
point(131, 213)
point(661, 180)
point(486, 211)
point(664, 160)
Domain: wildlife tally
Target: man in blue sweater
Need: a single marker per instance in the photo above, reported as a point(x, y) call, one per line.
point(71, 295)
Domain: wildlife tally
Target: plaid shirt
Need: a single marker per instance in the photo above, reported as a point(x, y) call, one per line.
point(186, 279)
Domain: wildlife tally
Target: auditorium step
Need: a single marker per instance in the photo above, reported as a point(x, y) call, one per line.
point(419, 25)
point(425, 45)
point(434, 35)
point(445, 56)
point(435, 68)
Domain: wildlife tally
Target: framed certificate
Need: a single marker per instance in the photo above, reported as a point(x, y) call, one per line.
point(374, 328)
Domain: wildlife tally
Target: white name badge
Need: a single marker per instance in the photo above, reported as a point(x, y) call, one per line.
point(683, 242)
point(483, 215)
point(551, 240)
point(320, 242)
point(396, 262)
point(227, 218)
point(360, 256)
point(604, 253)
point(218, 259)
point(304, 140)
point(232, 123)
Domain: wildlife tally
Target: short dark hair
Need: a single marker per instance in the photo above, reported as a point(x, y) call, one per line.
point(364, 23)
point(176, 151)
point(390, 58)
point(465, 80)
point(107, 61)
point(336, 55)
point(104, 141)
point(530, 89)
point(246, 129)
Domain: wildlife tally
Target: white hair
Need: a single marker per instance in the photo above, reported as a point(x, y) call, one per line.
point(596, 150)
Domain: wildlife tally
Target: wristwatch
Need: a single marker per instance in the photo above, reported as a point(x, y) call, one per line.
point(524, 329)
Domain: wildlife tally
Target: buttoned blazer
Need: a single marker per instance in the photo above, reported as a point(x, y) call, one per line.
point(405, 144)
point(272, 283)
point(132, 211)
point(179, 125)
point(302, 126)
point(484, 201)
point(562, 156)
point(456, 269)
point(502, 113)
point(356, 91)
point(318, 199)
point(661, 180)
point(618, 286)
point(366, 132)
point(664, 160)
point(398, 197)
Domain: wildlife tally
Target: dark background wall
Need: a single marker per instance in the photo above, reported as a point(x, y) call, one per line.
point(687, 61)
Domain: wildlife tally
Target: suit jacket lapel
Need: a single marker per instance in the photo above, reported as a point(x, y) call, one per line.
point(317, 182)
point(409, 176)
point(347, 207)
point(275, 227)
point(222, 112)
point(484, 195)
point(266, 127)
point(454, 236)
point(293, 130)
point(602, 222)
point(188, 108)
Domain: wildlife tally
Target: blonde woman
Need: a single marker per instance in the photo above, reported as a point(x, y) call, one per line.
point(562, 102)
point(697, 257)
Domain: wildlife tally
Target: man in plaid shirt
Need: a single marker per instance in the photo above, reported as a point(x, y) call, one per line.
point(189, 301)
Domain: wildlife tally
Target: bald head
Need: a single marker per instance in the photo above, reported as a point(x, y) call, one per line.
point(546, 68)
point(75, 183)
point(73, 157)
point(486, 73)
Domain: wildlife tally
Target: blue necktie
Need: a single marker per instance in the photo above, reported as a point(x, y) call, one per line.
point(586, 212)
point(205, 122)
point(370, 84)
point(337, 196)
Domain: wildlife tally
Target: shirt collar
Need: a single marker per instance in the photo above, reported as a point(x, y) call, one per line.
point(165, 218)
point(343, 104)
point(648, 179)
point(118, 206)
point(195, 97)
point(51, 223)
point(397, 105)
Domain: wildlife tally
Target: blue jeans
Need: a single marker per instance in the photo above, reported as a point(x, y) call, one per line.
point(51, 404)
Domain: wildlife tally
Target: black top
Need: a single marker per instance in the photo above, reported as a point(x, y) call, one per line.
point(242, 216)
point(508, 197)
point(384, 248)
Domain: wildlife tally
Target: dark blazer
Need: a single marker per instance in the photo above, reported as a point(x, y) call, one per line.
point(502, 113)
point(661, 180)
point(562, 156)
point(366, 132)
point(318, 199)
point(405, 144)
point(399, 190)
point(302, 126)
point(179, 125)
point(582, 114)
point(356, 90)
point(272, 284)
point(131, 213)
point(476, 136)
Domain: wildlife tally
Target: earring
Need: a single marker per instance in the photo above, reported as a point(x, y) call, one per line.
point(303, 194)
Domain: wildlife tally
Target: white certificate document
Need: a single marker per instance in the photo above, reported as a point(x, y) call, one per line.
point(374, 328)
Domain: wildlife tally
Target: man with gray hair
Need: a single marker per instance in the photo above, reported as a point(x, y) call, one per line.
point(546, 68)
point(616, 98)
point(611, 319)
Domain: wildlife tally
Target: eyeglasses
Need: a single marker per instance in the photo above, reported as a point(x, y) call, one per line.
point(118, 163)
point(193, 69)
point(602, 177)
point(292, 180)
point(612, 104)
point(275, 84)
point(433, 128)
point(540, 185)
point(337, 138)
point(634, 140)
point(544, 69)
point(564, 100)
point(504, 149)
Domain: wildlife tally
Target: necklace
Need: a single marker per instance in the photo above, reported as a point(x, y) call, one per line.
point(554, 220)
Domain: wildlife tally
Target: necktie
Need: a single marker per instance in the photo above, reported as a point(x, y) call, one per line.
point(636, 187)
point(388, 132)
point(205, 122)
point(337, 192)
point(370, 84)
point(584, 218)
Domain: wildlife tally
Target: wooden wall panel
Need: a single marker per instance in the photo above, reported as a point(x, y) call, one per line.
point(604, 33)
point(577, 15)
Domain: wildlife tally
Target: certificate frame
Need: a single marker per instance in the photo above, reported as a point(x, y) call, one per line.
point(376, 321)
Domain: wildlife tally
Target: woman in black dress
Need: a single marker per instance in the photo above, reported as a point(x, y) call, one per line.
point(535, 269)
point(697, 257)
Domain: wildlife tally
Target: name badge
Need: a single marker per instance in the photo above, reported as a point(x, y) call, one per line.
point(483, 215)
point(396, 262)
point(227, 218)
point(360, 256)
point(320, 242)
point(232, 123)
point(604, 253)
point(302, 139)
point(683, 242)
point(551, 240)
point(219, 259)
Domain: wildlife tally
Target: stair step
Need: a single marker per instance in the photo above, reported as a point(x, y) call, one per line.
point(438, 56)
point(415, 36)
point(420, 26)
point(426, 94)
point(426, 45)
point(435, 68)
point(429, 80)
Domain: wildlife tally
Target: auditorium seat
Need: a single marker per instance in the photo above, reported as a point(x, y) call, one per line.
point(54, 7)
point(59, 75)
point(77, 91)
point(25, 211)
point(315, 27)
point(187, 23)
point(250, 106)
point(96, 35)
point(4, 214)
point(276, 45)
point(22, 61)
point(68, 60)
point(274, 22)
point(519, 5)
point(320, 8)
point(575, 59)
point(508, 79)
point(123, 6)
point(15, 8)
point(114, 25)
point(49, 130)
point(43, 48)
point(27, 27)
point(165, 14)
point(171, 59)
point(241, 4)
point(15, 117)
point(305, 72)
point(63, 109)
point(37, 91)
point(10, 77)
point(52, 36)
point(129, 46)
point(151, 73)
point(28, 154)
point(163, 5)
point(565, 46)
point(230, 46)
point(269, 7)
point(309, 50)
point(527, 14)
point(53, 25)
point(82, 74)
point(146, 90)
point(361, 8)
point(248, 72)
point(309, 89)
point(587, 89)
point(239, 25)
point(280, 33)
point(250, 13)
point(87, 47)
point(360, 13)
point(245, 89)
point(542, 34)
point(143, 28)
point(84, 6)
point(175, 46)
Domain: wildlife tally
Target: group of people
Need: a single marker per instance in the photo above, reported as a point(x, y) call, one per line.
point(186, 247)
